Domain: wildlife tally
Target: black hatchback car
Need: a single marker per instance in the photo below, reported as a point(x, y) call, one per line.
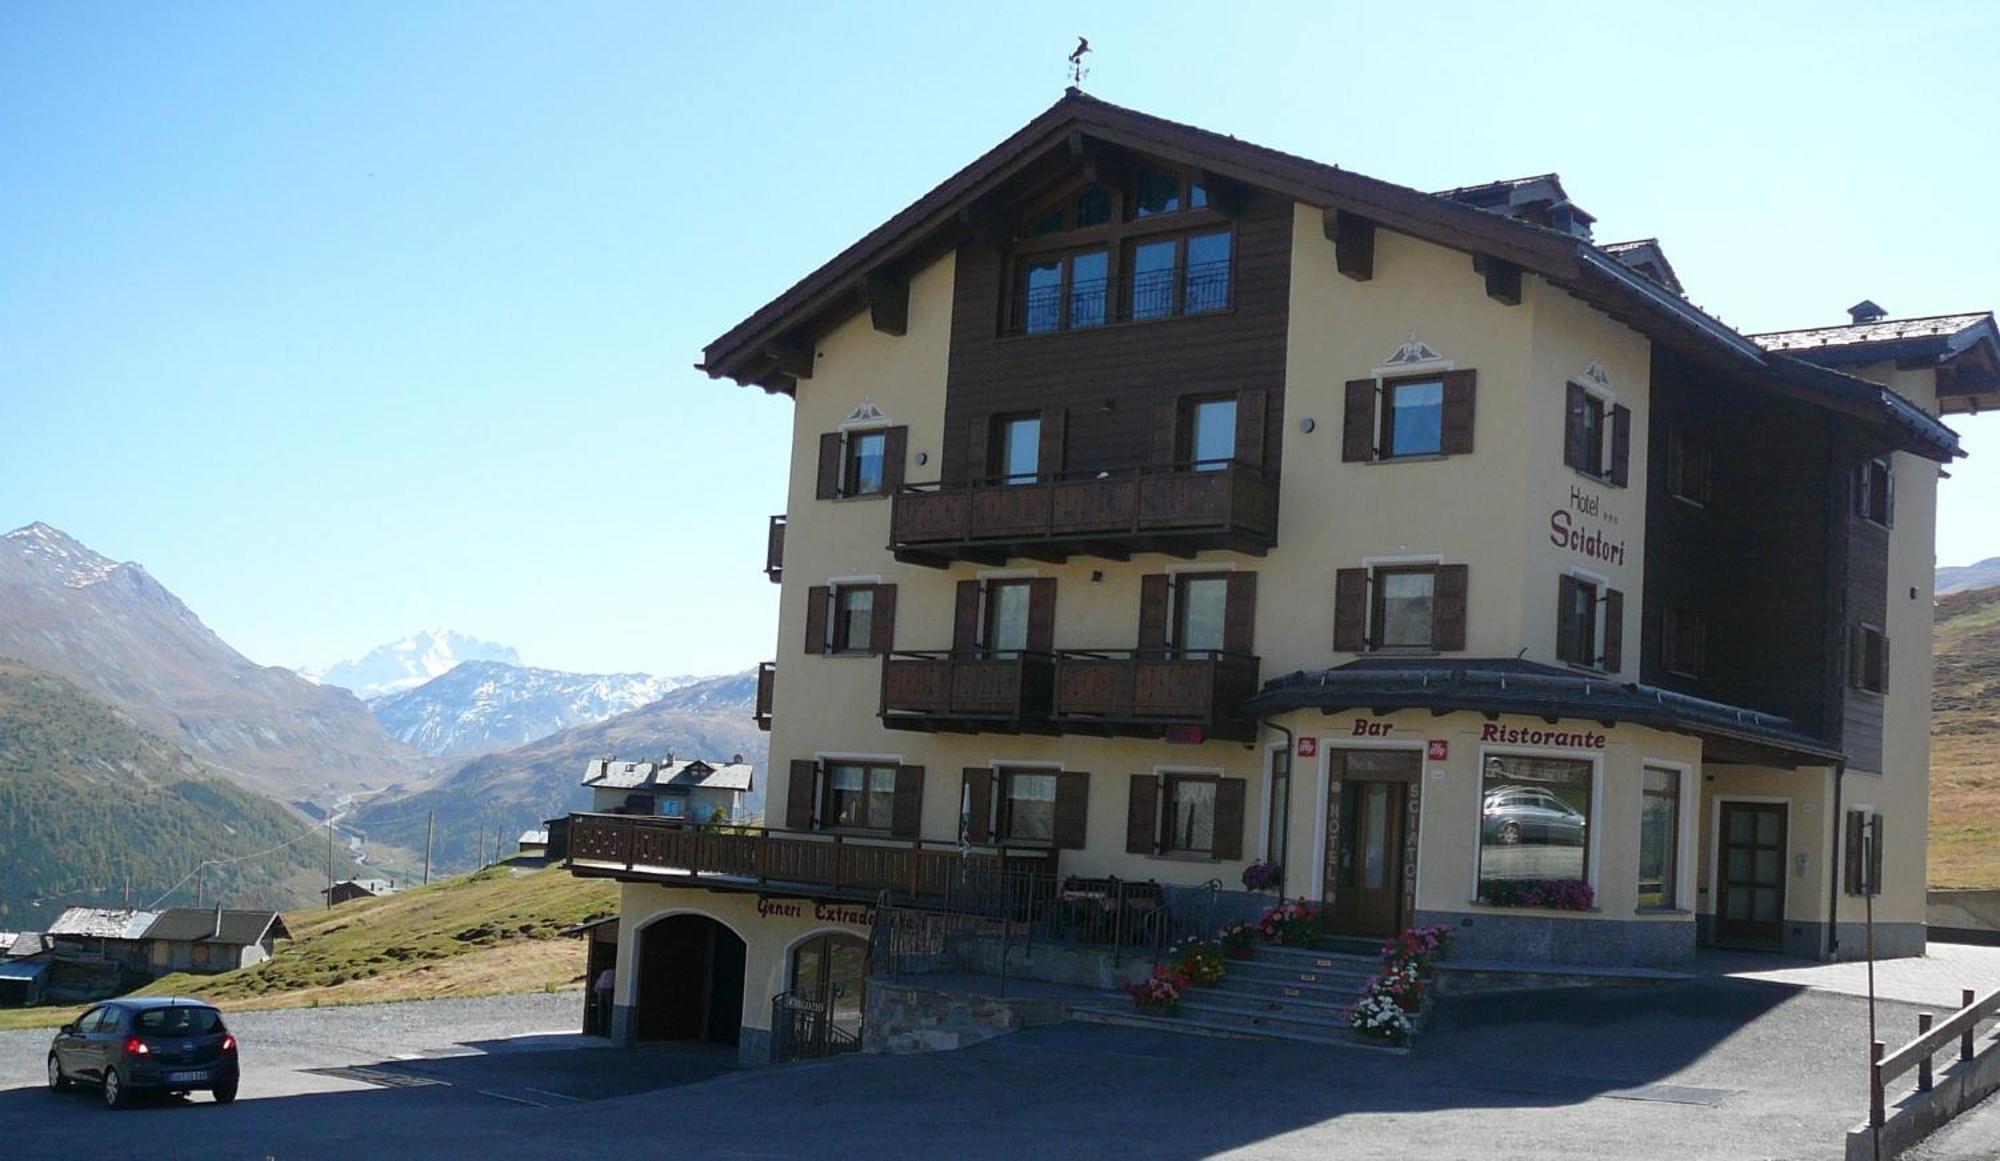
point(153, 1044)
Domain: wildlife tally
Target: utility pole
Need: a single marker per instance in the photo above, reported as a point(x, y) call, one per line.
point(200, 880)
point(329, 862)
point(429, 825)
point(479, 849)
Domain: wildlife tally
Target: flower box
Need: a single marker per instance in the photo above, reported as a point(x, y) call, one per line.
point(1548, 894)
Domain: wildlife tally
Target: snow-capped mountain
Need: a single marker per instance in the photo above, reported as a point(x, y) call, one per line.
point(407, 664)
point(478, 707)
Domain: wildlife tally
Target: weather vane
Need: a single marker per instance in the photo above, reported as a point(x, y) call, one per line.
point(1077, 70)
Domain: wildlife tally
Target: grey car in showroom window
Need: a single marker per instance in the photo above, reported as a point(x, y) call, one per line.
point(156, 1044)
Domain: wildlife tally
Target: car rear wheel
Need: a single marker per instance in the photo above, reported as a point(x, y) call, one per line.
point(115, 1096)
point(58, 1081)
point(224, 1093)
point(1510, 832)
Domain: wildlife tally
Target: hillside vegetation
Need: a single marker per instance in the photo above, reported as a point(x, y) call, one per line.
point(1965, 742)
point(94, 806)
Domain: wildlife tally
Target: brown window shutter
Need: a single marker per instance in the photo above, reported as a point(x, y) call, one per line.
point(1350, 610)
point(829, 466)
point(1700, 635)
point(1614, 630)
point(882, 622)
point(1167, 434)
point(818, 597)
point(895, 449)
point(1153, 612)
point(800, 794)
point(978, 460)
point(1458, 412)
point(1142, 816)
point(1229, 796)
point(1889, 493)
point(1882, 644)
point(1621, 444)
point(1569, 641)
point(1072, 809)
point(1857, 656)
point(965, 619)
point(1250, 408)
point(1448, 609)
point(906, 817)
point(1042, 614)
point(977, 803)
point(1875, 857)
point(1239, 614)
point(1358, 431)
point(1049, 456)
point(1575, 454)
point(1850, 861)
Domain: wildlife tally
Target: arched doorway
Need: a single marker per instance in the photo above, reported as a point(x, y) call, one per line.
point(821, 1013)
point(690, 981)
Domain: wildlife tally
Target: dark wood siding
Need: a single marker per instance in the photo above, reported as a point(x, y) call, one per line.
point(1115, 380)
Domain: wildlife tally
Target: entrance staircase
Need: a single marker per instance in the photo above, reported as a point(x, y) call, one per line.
point(1279, 993)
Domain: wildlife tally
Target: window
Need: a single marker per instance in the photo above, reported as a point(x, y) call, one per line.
point(860, 796)
point(1020, 445)
point(1404, 601)
point(1688, 467)
point(1190, 820)
point(1281, 808)
point(1871, 659)
point(1211, 433)
point(1590, 624)
point(1055, 291)
point(1207, 281)
point(1534, 819)
point(1028, 806)
point(673, 806)
point(1153, 279)
point(865, 472)
point(1597, 436)
point(1007, 609)
point(1413, 420)
point(1403, 606)
point(853, 618)
point(1659, 837)
point(1200, 605)
point(1683, 642)
point(1874, 492)
point(1093, 207)
point(1159, 193)
point(201, 953)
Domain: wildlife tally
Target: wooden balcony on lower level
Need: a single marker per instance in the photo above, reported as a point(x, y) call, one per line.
point(767, 688)
point(985, 692)
point(1182, 696)
point(1178, 510)
point(642, 848)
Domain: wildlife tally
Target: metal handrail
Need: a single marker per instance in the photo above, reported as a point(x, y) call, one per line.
point(1078, 475)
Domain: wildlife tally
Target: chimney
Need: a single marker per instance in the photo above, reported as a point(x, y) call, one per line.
point(1866, 311)
point(736, 759)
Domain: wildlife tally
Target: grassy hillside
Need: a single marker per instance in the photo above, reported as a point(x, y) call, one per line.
point(1965, 742)
point(481, 934)
point(90, 803)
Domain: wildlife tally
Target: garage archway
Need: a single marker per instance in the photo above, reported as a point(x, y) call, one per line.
point(690, 981)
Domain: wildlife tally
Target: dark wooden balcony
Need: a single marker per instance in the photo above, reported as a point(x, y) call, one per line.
point(1189, 696)
point(642, 848)
point(967, 693)
point(774, 550)
point(1174, 510)
point(767, 685)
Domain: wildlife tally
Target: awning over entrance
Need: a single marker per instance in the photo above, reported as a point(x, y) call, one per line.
point(1510, 686)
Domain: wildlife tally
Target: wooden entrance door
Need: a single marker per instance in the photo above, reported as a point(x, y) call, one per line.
point(1750, 903)
point(1365, 885)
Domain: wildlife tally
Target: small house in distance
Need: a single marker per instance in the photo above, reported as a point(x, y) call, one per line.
point(693, 789)
point(199, 939)
point(108, 934)
point(533, 844)
point(348, 890)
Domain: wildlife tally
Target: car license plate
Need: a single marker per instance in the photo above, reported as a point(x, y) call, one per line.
point(186, 1077)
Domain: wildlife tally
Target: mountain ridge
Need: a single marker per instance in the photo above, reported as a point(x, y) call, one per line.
point(480, 707)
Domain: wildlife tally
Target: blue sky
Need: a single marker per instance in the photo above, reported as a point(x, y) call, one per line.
point(350, 319)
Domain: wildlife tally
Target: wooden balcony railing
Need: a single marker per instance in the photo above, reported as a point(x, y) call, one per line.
point(1178, 509)
point(774, 550)
point(953, 693)
point(642, 848)
point(767, 684)
point(1190, 695)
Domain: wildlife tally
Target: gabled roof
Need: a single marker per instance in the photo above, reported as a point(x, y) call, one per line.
point(1935, 334)
point(212, 925)
point(533, 838)
point(1512, 685)
point(1647, 257)
point(371, 886)
point(102, 923)
point(27, 943)
point(770, 347)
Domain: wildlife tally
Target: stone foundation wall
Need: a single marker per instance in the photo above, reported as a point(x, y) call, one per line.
point(1504, 934)
point(905, 1017)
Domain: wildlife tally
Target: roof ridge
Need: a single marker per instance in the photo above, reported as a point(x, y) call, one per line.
point(1880, 322)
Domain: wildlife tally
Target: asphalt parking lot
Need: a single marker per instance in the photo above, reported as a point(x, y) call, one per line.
point(1707, 1068)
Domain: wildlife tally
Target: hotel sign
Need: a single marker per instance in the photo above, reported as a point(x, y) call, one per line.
point(1580, 527)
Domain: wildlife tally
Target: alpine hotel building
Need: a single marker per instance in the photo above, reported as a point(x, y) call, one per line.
point(1160, 502)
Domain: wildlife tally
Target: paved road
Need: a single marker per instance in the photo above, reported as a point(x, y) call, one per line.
point(1711, 1068)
